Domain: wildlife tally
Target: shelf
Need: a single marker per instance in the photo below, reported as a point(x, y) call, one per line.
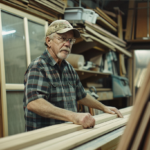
point(85, 74)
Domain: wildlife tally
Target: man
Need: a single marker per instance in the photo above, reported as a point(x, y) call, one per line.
point(52, 86)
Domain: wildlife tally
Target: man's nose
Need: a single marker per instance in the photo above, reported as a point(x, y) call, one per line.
point(67, 43)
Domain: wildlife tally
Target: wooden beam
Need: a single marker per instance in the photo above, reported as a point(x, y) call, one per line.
point(106, 17)
point(121, 50)
point(143, 124)
point(27, 139)
point(136, 113)
point(129, 25)
point(102, 42)
point(87, 136)
point(101, 21)
point(57, 142)
point(102, 141)
point(104, 32)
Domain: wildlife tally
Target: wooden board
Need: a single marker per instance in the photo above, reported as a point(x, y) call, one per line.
point(121, 50)
point(78, 137)
point(41, 135)
point(102, 141)
point(143, 124)
point(91, 134)
point(141, 23)
point(136, 114)
point(130, 17)
point(106, 17)
point(105, 24)
point(104, 32)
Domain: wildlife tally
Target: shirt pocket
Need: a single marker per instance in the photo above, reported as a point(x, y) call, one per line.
point(56, 93)
point(72, 90)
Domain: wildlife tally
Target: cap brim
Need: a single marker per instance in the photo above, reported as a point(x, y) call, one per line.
point(76, 32)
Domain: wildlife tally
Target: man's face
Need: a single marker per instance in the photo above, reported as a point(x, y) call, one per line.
point(62, 49)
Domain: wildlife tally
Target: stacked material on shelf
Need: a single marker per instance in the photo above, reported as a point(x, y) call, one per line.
point(137, 132)
point(49, 10)
point(105, 39)
point(66, 135)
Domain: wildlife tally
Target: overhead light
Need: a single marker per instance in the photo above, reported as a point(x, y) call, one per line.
point(8, 32)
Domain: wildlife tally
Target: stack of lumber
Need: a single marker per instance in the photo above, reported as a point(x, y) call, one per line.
point(104, 39)
point(137, 132)
point(66, 135)
point(105, 20)
point(47, 9)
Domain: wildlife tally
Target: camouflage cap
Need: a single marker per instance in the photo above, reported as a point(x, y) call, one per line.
point(61, 26)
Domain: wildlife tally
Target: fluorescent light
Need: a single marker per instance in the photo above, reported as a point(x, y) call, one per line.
point(8, 32)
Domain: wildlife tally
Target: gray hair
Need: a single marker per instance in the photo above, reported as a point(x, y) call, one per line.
point(50, 36)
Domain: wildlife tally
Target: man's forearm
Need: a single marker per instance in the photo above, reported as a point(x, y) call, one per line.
point(47, 110)
point(91, 102)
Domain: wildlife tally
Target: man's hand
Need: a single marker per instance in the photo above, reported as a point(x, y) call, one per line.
point(84, 119)
point(112, 110)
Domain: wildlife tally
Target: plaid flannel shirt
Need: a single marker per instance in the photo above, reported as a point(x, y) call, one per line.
point(42, 80)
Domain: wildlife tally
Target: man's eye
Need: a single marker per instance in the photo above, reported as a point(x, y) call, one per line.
point(70, 40)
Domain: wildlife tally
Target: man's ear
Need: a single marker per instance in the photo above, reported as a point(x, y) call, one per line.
point(48, 41)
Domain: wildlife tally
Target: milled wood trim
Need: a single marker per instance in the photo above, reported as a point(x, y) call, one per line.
point(3, 90)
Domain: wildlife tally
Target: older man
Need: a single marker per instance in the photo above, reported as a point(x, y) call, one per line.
point(52, 86)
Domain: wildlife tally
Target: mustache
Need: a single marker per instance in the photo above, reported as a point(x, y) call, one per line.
point(65, 49)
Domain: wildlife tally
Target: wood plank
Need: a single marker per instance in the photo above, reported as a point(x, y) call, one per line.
point(104, 32)
point(30, 11)
point(142, 127)
point(146, 145)
point(121, 50)
point(136, 113)
point(101, 21)
point(55, 143)
point(101, 141)
point(102, 42)
point(130, 17)
point(110, 13)
point(91, 134)
point(141, 20)
point(106, 17)
point(30, 138)
point(49, 5)
point(42, 10)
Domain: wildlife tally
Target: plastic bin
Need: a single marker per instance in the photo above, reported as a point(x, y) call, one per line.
point(73, 13)
point(79, 13)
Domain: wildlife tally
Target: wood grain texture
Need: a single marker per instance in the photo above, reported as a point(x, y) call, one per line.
point(71, 140)
point(141, 129)
point(104, 32)
point(48, 133)
point(91, 134)
point(101, 141)
point(130, 17)
point(130, 130)
point(121, 50)
point(141, 23)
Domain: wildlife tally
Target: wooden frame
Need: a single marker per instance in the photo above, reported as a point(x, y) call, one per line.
point(14, 87)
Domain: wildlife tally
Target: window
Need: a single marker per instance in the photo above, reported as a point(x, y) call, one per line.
point(21, 40)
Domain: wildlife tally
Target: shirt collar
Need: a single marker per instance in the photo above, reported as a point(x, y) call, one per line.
point(49, 59)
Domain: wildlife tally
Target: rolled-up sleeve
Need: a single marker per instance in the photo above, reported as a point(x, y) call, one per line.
point(36, 86)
